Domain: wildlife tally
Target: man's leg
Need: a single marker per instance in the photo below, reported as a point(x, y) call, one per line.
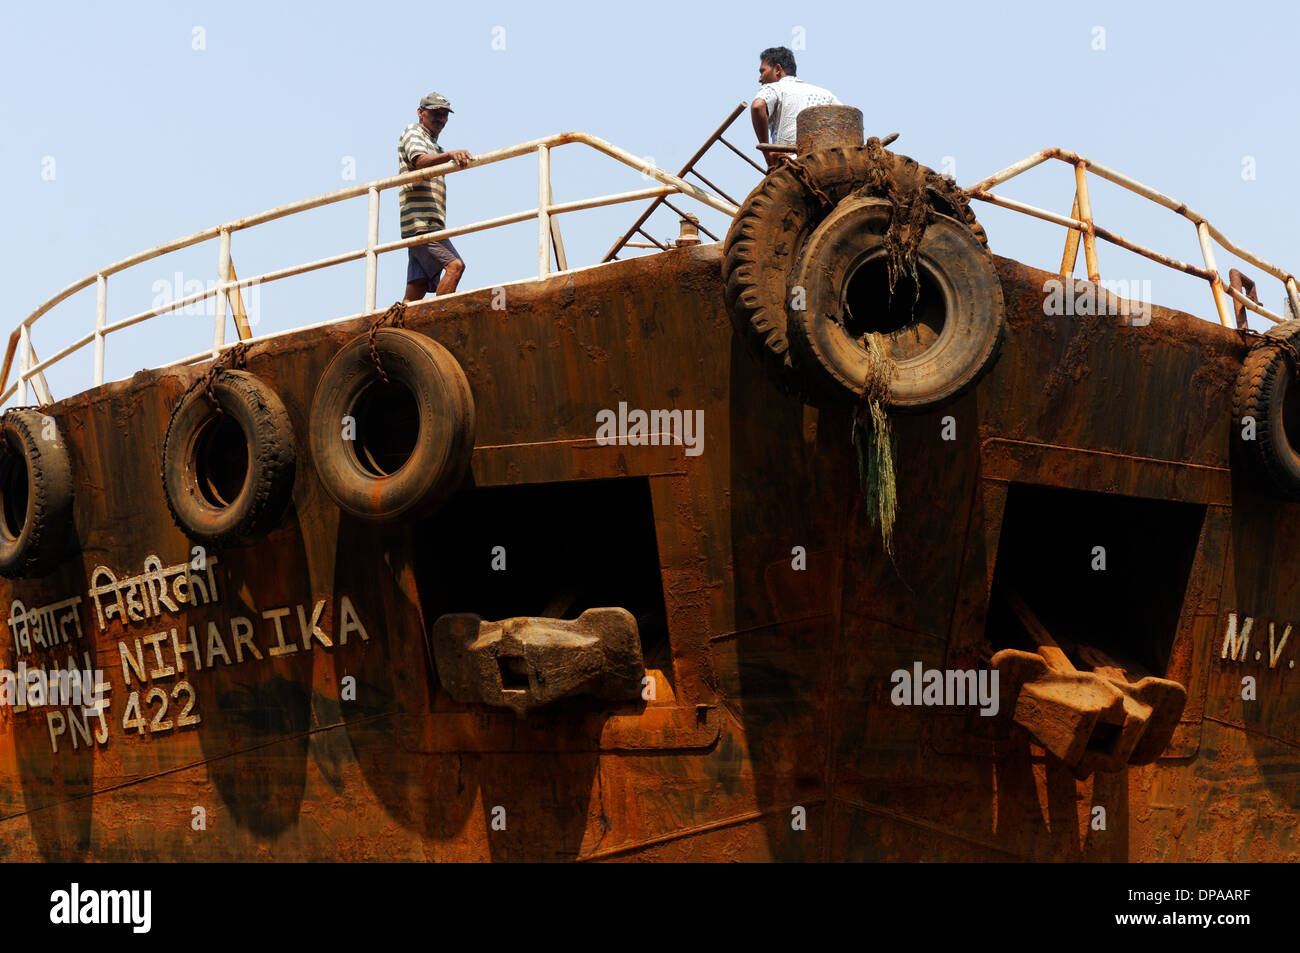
point(451, 277)
point(448, 259)
point(427, 263)
point(417, 273)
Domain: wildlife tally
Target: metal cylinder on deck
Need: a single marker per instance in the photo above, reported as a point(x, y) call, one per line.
point(824, 127)
point(690, 234)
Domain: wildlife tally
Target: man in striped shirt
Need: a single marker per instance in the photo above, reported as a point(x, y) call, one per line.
point(424, 203)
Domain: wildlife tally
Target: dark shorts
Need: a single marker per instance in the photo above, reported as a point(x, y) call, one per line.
point(428, 261)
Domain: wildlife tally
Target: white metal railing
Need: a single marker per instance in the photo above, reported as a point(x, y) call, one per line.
point(1080, 224)
point(30, 370)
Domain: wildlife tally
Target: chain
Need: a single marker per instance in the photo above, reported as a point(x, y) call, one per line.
point(1288, 349)
point(5, 449)
point(801, 173)
point(234, 359)
point(394, 317)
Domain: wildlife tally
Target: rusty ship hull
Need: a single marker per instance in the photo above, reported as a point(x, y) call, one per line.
point(770, 733)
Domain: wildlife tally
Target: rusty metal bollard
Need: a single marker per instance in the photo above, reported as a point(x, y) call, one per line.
point(527, 662)
point(690, 231)
point(824, 127)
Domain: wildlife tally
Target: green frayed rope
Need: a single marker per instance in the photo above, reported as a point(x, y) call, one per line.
point(874, 442)
point(873, 439)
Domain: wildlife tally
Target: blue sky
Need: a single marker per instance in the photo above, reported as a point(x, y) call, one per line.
point(129, 125)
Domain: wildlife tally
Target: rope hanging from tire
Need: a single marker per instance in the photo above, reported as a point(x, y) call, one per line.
point(801, 173)
point(912, 213)
point(872, 436)
point(805, 234)
point(874, 442)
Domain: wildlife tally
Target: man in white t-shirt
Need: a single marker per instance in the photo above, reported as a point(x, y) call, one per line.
point(780, 99)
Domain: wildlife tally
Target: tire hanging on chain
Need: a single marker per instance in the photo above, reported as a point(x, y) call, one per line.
point(392, 423)
point(229, 458)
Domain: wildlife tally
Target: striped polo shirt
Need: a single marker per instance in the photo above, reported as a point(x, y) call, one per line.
point(424, 204)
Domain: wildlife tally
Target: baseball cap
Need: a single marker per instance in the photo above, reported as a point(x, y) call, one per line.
point(436, 101)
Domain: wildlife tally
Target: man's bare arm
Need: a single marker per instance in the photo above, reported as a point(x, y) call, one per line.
point(458, 156)
point(758, 116)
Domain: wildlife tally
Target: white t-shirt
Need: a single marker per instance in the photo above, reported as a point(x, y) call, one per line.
point(786, 99)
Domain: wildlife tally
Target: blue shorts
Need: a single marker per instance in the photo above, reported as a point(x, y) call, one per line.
point(428, 261)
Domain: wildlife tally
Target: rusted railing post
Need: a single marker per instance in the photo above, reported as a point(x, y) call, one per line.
point(1216, 283)
point(557, 242)
point(1085, 216)
point(1071, 256)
